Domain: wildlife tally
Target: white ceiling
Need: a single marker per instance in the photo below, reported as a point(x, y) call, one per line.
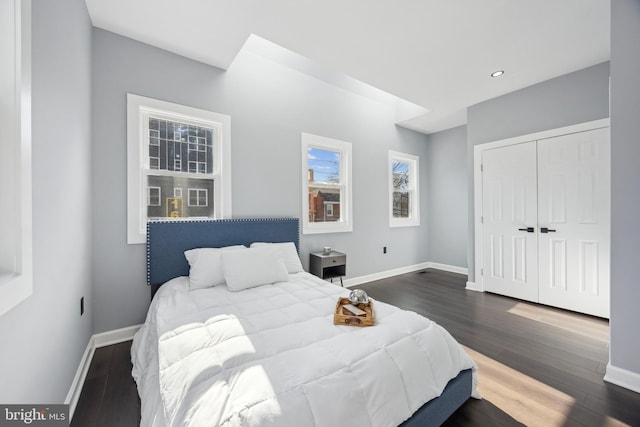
point(437, 54)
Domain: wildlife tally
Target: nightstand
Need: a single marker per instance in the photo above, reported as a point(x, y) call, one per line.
point(328, 266)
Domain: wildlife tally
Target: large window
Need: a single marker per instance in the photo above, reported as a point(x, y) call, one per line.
point(404, 202)
point(176, 151)
point(326, 185)
point(16, 254)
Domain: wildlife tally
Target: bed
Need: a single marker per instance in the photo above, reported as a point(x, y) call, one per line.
point(244, 353)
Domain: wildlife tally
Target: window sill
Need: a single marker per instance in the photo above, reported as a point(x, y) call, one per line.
point(404, 223)
point(6, 278)
point(316, 228)
point(14, 288)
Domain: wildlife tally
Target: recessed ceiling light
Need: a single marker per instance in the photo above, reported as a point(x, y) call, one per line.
point(497, 73)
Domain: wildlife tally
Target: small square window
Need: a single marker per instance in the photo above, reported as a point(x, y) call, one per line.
point(153, 196)
point(198, 197)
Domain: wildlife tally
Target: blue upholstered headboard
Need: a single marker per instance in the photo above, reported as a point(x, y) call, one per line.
point(167, 240)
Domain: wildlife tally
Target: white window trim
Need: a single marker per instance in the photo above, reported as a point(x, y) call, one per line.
point(414, 188)
point(136, 209)
point(346, 197)
point(15, 118)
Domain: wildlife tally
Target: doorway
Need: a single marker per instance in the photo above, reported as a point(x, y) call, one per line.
point(544, 218)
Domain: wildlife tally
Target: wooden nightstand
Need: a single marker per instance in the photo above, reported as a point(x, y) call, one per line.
point(329, 266)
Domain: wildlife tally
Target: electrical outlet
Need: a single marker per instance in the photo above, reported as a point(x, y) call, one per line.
point(384, 249)
point(81, 306)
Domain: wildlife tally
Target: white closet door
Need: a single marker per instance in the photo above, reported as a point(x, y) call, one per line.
point(510, 221)
point(574, 220)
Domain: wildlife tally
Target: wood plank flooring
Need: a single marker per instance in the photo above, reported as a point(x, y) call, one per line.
point(109, 397)
point(539, 366)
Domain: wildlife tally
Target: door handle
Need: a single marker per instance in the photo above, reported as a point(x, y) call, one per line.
point(528, 229)
point(546, 230)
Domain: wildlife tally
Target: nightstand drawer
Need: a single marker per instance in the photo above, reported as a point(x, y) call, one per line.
point(328, 266)
point(334, 260)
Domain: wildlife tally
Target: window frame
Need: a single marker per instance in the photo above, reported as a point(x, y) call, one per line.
point(329, 207)
point(149, 188)
point(345, 224)
point(198, 191)
point(414, 189)
point(16, 248)
point(138, 110)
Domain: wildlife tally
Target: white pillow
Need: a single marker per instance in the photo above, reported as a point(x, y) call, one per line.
point(206, 267)
point(287, 251)
point(253, 267)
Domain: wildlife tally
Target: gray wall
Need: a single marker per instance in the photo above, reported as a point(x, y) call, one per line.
point(270, 105)
point(44, 337)
point(574, 98)
point(120, 297)
point(445, 168)
point(625, 179)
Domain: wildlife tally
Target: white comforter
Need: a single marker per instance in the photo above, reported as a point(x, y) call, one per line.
point(271, 355)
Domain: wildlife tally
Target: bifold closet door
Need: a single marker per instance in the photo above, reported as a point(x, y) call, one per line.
point(574, 221)
point(509, 232)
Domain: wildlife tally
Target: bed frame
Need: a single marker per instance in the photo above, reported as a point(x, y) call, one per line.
point(167, 241)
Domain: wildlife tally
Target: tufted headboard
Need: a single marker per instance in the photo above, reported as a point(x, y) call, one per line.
point(167, 241)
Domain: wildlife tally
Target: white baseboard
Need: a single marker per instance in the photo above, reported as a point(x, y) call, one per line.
point(471, 286)
point(354, 281)
point(116, 336)
point(78, 380)
point(96, 341)
point(384, 274)
point(449, 268)
point(623, 378)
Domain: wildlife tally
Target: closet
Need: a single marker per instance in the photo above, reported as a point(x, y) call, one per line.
point(545, 218)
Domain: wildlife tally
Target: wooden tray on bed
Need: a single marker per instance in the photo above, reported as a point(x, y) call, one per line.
point(342, 316)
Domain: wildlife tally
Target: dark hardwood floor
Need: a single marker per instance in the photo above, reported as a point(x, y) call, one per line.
point(539, 366)
point(109, 397)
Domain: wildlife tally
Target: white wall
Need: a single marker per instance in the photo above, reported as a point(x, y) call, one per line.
point(446, 171)
point(625, 196)
point(44, 338)
point(270, 105)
